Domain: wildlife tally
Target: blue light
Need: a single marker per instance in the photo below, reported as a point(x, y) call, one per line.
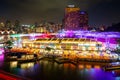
point(82, 12)
point(113, 72)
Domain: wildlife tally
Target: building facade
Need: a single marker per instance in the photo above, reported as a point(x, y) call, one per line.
point(75, 19)
point(71, 19)
point(83, 18)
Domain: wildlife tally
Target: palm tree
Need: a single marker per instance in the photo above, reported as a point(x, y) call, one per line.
point(8, 44)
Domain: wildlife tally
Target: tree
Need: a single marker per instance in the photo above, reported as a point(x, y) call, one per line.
point(118, 46)
point(49, 49)
point(8, 24)
point(32, 28)
point(8, 44)
point(36, 24)
point(17, 26)
point(2, 25)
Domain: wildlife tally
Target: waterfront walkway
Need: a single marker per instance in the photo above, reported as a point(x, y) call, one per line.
point(8, 76)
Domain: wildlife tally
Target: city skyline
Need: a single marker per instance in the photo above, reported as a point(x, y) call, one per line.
point(101, 12)
point(59, 40)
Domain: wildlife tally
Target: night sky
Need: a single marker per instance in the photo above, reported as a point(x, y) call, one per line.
point(31, 11)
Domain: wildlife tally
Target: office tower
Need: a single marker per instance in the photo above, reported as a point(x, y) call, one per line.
point(71, 19)
point(75, 19)
point(83, 19)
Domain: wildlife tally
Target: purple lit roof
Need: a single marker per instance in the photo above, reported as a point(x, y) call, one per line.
point(96, 34)
point(76, 33)
point(82, 12)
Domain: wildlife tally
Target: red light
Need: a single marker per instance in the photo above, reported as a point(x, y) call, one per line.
point(5, 77)
point(8, 76)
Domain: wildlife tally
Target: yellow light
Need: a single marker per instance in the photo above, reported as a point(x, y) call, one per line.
point(88, 66)
point(97, 66)
point(81, 66)
point(83, 48)
point(13, 64)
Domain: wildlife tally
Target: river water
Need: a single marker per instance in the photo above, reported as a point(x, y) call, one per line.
point(47, 70)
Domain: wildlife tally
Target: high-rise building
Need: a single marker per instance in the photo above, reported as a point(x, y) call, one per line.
point(71, 19)
point(83, 18)
point(75, 19)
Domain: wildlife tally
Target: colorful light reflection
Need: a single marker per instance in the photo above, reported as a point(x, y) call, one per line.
point(1, 51)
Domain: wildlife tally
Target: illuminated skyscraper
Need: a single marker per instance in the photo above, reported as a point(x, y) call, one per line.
point(74, 18)
point(83, 18)
point(71, 19)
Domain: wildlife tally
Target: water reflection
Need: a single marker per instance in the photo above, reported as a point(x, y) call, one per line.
point(47, 70)
point(13, 64)
point(26, 65)
point(93, 73)
point(81, 66)
point(1, 60)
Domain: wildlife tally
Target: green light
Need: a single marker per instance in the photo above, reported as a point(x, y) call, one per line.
point(15, 35)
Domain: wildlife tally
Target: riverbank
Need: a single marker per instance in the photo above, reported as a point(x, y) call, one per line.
point(74, 62)
point(62, 60)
